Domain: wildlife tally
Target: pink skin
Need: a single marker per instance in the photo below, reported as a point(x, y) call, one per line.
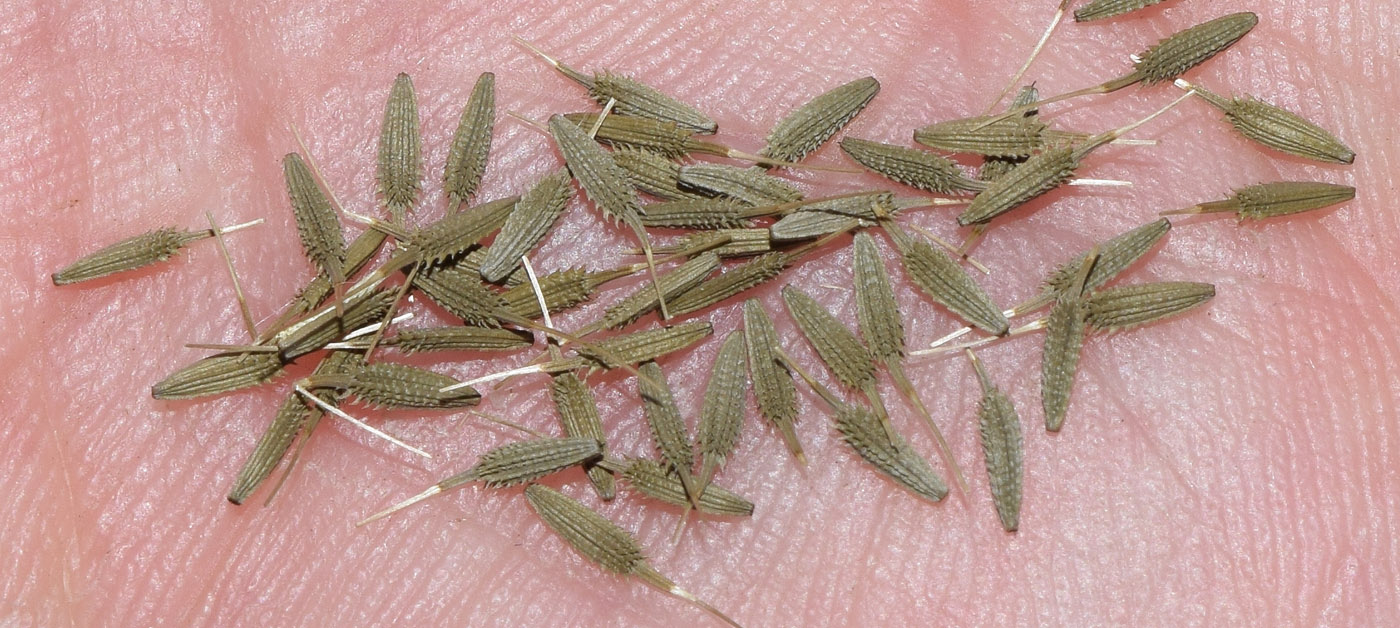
point(1234, 466)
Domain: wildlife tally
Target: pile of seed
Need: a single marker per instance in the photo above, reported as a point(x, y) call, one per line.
point(746, 225)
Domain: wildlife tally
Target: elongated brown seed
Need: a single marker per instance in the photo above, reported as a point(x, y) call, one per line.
point(471, 143)
point(1017, 136)
point(654, 174)
point(1104, 9)
point(604, 183)
point(1001, 446)
point(318, 330)
point(946, 283)
point(667, 427)
point(838, 348)
point(888, 452)
point(772, 383)
point(562, 290)
point(457, 232)
point(129, 254)
point(921, 169)
point(1271, 200)
point(460, 339)
point(1126, 307)
point(643, 301)
point(652, 479)
point(1064, 339)
point(578, 412)
point(400, 158)
point(701, 213)
point(994, 168)
point(539, 208)
point(749, 185)
point(1187, 49)
point(1115, 255)
point(740, 242)
point(317, 222)
point(388, 385)
point(732, 282)
point(602, 542)
point(722, 412)
point(218, 374)
point(806, 225)
point(656, 136)
point(461, 292)
point(1277, 127)
point(811, 125)
point(644, 345)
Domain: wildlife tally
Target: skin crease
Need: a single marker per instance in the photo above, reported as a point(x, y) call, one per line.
point(1235, 466)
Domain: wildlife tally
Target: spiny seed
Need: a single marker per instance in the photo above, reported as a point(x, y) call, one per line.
point(656, 136)
point(317, 222)
point(471, 144)
point(218, 374)
point(509, 465)
point(996, 167)
point(1277, 128)
point(578, 412)
point(772, 383)
point(320, 329)
point(1064, 339)
point(461, 293)
point(1125, 307)
point(944, 281)
point(722, 413)
point(562, 290)
point(673, 283)
point(701, 213)
point(129, 254)
point(876, 308)
point(667, 426)
point(460, 339)
point(384, 384)
point(753, 273)
point(654, 174)
point(838, 348)
point(811, 125)
point(1115, 255)
point(539, 208)
point(748, 185)
point(400, 160)
point(1017, 136)
point(657, 482)
point(471, 263)
point(1104, 9)
point(805, 225)
point(863, 431)
point(912, 167)
point(602, 542)
point(457, 232)
point(1001, 446)
point(1187, 49)
point(645, 345)
point(1270, 200)
point(604, 183)
point(740, 243)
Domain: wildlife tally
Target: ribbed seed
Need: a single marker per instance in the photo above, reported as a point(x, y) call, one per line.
point(562, 290)
point(471, 263)
point(218, 374)
point(361, 250)
point(811, 125)
point(578, 412)
point(667, 427)
point(722, 412)
point(539, 208)
point(527, 460)
point(741, 243)
point(460, 339)
point(650, 478)
point(604, 183)
point(457, 232)
point(1279, 128)
point(654, 174)
point(753, 273)
point(772, 383)
point(586, 531)
point(323, 328)
point(1038, 175)
point(1104, 9)
point(471, 144)
point(749, 185)
point(876, 308)
point(994, 168)
point(1115, 255)
point(656, 136)
point(637, 99)
point(645, 345)
point(696, 213)
point(643, 300)
point(1017, 136)
point(921, 169)
point(863, 431)
point(838, 348)
point(806, 225)
point(316, 220)
point(1187, 49)
point(461, 292)
point(1125, 307)
point(400, 160)
point(1064, 340)
point(944, 281)
point(1001, 446)
point(129, 254)
point(384, 384)
point(1270, 200)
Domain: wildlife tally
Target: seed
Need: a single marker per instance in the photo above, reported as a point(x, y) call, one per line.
point(732, 282)
point(1115, 255)
point(1064, 339)
point(994, 168)
point(461, 293)
point(722, 413)
point(1187, 49)
point(655, 136)
point(876, 308)
point(657, 482)
point(384, 384)
point(772, 383)
point(457, 232)
point(667, 426)
point(400, 161)
point(562, 290)
point(1277, 128)
point(697, 213)
point(1270, 200)
point(946, 283)
point(1018, 136)
point(838, 348)
point(129, 254)
point(811, 125)
point(1103, 9)
point(316, 219)
point(1001, 446)
point(602, 542)
point(1126, 307)
point(509, 465)
point(578, 412)
point(324, 327)
point(747, 185)
point(604, 183)
point(461, 339)
point(652, 173)
point(888, 452)
point(912, 167)
point(314, 293)
point(645, 345)
point(805, 225)
point(218, 374)
point(738, 243)
point(643, 301)
point(539, 208)
point(471, 144)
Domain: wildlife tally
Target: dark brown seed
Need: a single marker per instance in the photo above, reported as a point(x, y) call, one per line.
point(838, 348)
point(562, 290)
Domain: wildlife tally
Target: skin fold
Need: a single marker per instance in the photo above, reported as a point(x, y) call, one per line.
point(1235, 466)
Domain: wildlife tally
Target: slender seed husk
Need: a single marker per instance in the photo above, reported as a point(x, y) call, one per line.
point(539, 208)
point(317, 222)
point(578, 413)
point(946, 283)
point(811, 125)
point(921, 169)
point(667, 427)
point(749, 185)
point(1104, 9)
point(1271, 200)
point(773, 387)
point(656, 481)
point(644, 345)
point(218, 374)
point(1002, 448)
point(129, 254)
point(460, 339)
point(1278, 128)
point(1126, 307)
point(722, 412)
point(400, 154)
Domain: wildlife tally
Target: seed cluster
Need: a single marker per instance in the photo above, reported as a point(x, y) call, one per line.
point(474, 264)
